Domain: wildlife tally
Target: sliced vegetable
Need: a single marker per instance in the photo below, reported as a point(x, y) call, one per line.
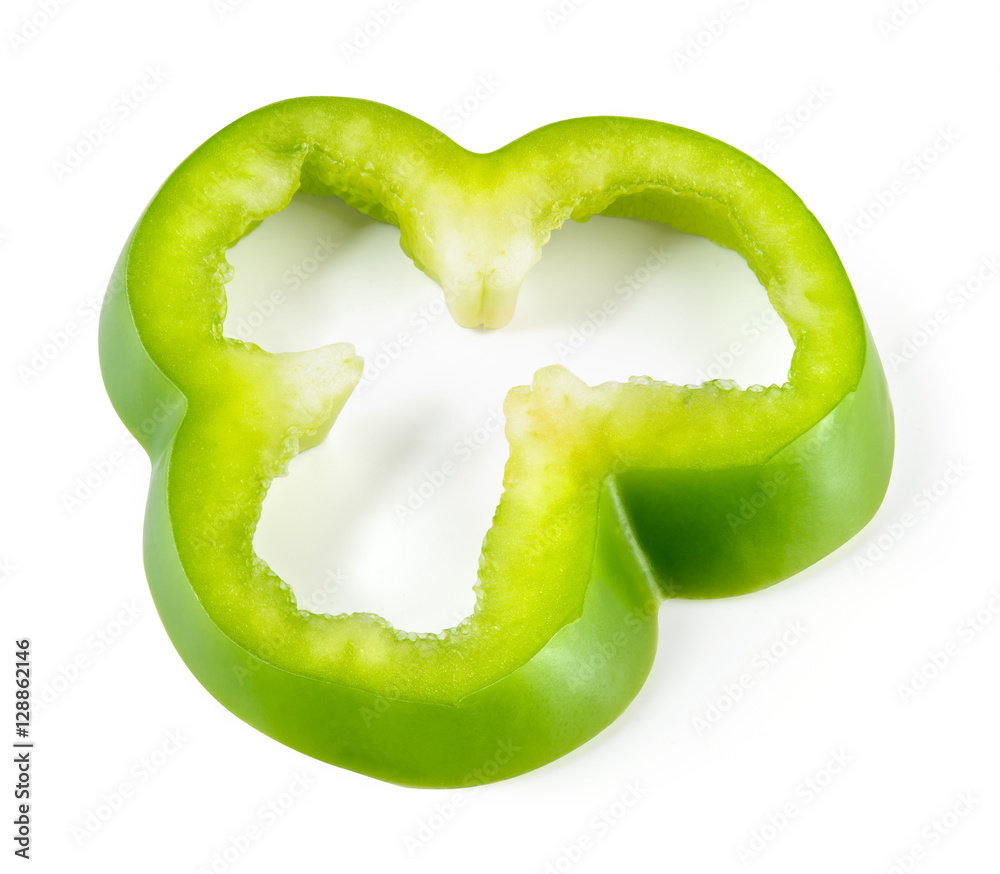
point(614, 497)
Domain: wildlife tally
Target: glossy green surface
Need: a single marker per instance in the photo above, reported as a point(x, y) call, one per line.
point(614, 496)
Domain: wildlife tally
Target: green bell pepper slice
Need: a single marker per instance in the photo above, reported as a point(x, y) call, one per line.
point(614, 497)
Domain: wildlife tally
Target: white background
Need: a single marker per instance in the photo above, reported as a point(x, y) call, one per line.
point(847, 94)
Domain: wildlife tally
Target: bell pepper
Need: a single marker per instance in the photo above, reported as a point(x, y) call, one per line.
point(615, 497)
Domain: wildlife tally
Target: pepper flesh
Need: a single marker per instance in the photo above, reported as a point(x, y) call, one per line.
point(614, 496)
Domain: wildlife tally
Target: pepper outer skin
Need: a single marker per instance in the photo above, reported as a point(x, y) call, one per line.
point(615, 496)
